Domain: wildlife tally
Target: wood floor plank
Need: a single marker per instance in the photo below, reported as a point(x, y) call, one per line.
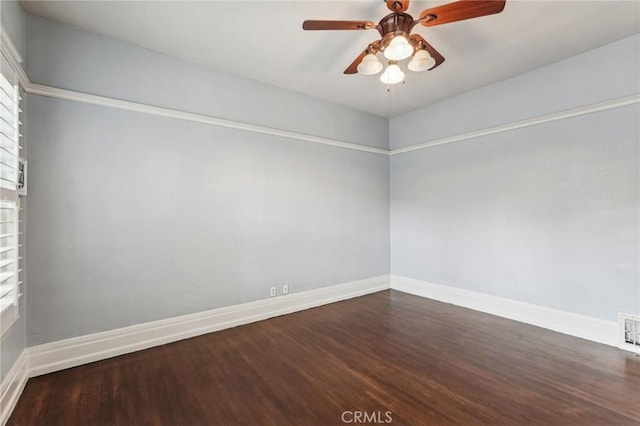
point(426, 362)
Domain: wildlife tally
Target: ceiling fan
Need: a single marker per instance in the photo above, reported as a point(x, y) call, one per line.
point(397, 43)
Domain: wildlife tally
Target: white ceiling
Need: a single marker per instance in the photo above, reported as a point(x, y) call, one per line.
point(264, 40)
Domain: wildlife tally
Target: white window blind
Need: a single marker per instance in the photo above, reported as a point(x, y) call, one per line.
point(9, 134)
point(9, 204)
point(8, 255)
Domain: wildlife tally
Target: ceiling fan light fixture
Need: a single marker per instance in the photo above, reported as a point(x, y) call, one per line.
point(421, 61)
point(370, 65)
point(393, 74)
point(398, 49)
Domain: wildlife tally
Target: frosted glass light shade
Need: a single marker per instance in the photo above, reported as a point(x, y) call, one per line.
point(370, 65)
point(421, 61)
point(392, 75)
point(398, 49)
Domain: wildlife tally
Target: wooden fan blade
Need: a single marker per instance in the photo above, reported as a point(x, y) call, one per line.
point(353, 68)
point(397, 5)
point(338, 25)
point(459, 11)
point(418, 39)
point(373, 47)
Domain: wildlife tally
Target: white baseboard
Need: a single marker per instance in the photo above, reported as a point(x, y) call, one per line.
point(595, 329)
point(50, 357)
point(12, 386)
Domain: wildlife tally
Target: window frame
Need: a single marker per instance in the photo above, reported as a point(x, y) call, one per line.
point(9, 197)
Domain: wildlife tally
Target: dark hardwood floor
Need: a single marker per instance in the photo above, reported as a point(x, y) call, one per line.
point(423, 361)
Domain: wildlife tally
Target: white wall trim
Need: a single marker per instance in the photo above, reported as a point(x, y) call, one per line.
point(10, 52)
point(9, 47)
point(42, 90)
point(14, 58)
point(561, 115)
point(50, 357)
point(594, 329)
point(70, 95)
point(38, 89)
point(12, 386)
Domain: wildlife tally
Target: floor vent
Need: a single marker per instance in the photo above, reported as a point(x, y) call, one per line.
point(629, 332)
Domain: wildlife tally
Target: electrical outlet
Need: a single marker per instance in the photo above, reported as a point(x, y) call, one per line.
point(285, 289)
point(273, 291)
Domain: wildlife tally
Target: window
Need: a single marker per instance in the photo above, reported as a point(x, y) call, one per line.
point(9, 200)
point(8, 258)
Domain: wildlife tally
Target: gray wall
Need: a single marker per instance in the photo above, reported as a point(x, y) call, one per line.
point(135, 217)
point(545, 214)
point(14, 341)
point(69, 58)
point(13, 21)
point(598, 75)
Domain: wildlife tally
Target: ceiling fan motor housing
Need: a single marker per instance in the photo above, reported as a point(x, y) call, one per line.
point(395, 24)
